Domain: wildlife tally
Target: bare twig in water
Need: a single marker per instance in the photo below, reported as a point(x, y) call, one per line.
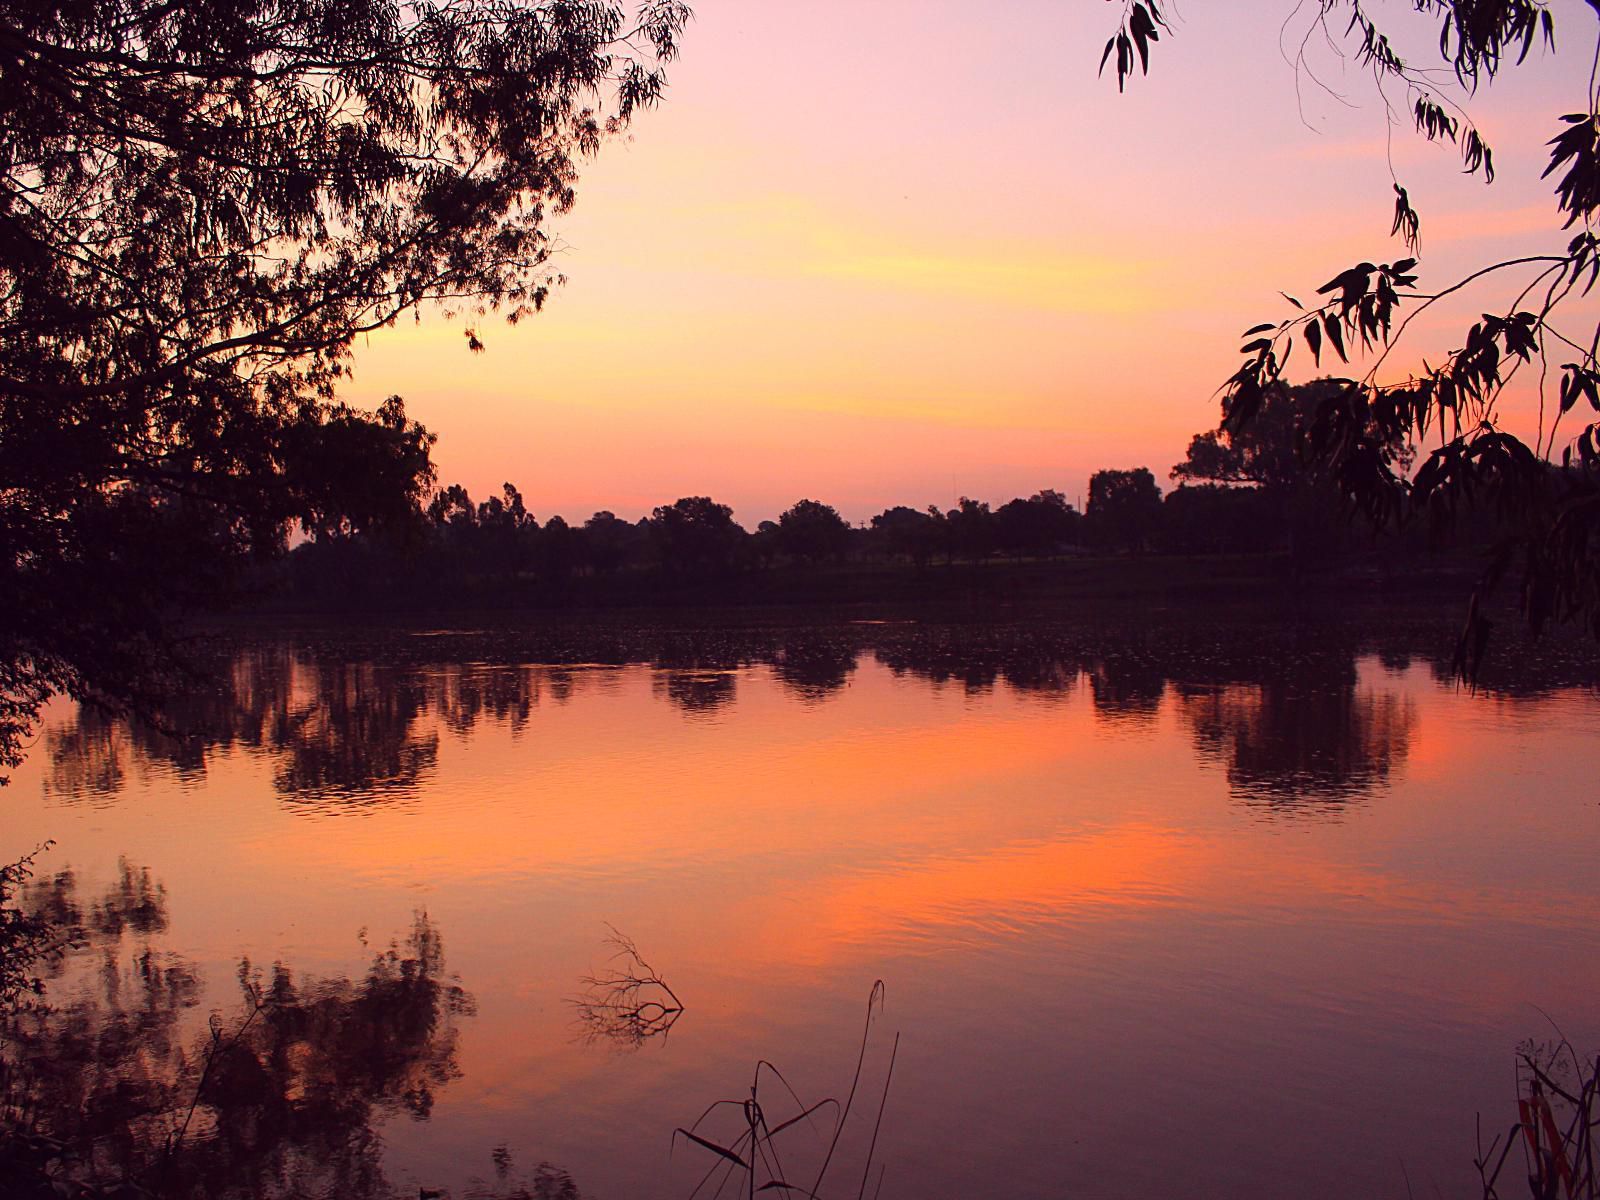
point(628, 1004)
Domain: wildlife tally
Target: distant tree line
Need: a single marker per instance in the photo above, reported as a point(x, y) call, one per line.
point(1241, 494)
point(454, 540)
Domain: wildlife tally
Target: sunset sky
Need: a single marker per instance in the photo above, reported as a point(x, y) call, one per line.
point(897, 252)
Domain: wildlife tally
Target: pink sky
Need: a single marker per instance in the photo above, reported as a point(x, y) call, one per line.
point(897, 252)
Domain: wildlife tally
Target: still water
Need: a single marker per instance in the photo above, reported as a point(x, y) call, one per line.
point(1245, 910)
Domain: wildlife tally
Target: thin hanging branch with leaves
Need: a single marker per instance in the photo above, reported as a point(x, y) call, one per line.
point(1361, 435)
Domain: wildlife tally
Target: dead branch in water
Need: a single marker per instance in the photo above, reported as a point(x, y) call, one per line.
point(629, 1004)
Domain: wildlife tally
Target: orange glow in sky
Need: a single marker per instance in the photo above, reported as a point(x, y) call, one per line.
point(898, 253)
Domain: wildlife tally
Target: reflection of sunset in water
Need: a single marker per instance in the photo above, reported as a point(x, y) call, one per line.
point(1066, 860)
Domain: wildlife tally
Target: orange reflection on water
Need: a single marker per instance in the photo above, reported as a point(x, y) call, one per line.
point(1317, 864)
point(943, 902)
point(641, 788)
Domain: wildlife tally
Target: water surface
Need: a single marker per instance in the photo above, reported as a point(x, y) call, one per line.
point(1232, 910)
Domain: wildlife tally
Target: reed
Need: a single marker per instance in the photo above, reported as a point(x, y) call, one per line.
point(1558, 1113)
point(752, 1162)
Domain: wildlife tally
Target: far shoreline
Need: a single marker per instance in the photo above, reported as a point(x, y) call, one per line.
point(994, 589)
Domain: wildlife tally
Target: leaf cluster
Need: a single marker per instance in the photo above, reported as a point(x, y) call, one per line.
point(1142, 23)
point(1577, 148)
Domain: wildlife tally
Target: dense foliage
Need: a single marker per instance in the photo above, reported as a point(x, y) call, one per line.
point(201, 206)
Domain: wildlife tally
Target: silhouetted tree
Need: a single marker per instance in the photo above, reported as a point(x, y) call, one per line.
point(943, 534)
point(456, 550)
point(1212, 518)
point(559, 549)
point(99, 560)
point(971, 529)
point(765, 542)
point(608, 542)
point(505, 530)
point(452, 508)
point(1037, 525)
point(1298, 501)
point(695, 535)
point(907, 532)
point(811, 531)
point(1054, 512)
point(1124, 508)
point(30, 943)
point(203, 205)
point(1262, 454)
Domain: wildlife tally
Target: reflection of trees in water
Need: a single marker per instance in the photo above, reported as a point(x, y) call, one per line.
point(357, 739)
point(699, 692)
point(1283, 710)
point(1522, 667)
point(1027, 662)
point(813, 668)
point(1127, 686)
point(939, 663)
point(698, 670)
point(1309, 738)
point(1395, 660)
point(505, 695)
point(107, 1079)
point(1042, 674)
point(352, 733)
point(337, 732)
point(88, 757)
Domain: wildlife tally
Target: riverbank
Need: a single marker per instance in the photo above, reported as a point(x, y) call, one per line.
point(993, 587)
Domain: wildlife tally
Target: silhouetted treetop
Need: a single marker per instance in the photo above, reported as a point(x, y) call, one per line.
point(695, 534)
point(1263, 452)
point(607, 540)
point(971, 529)
point(1124, 507)
point(909, 532)
point(1038, 525)
point(812, 530)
